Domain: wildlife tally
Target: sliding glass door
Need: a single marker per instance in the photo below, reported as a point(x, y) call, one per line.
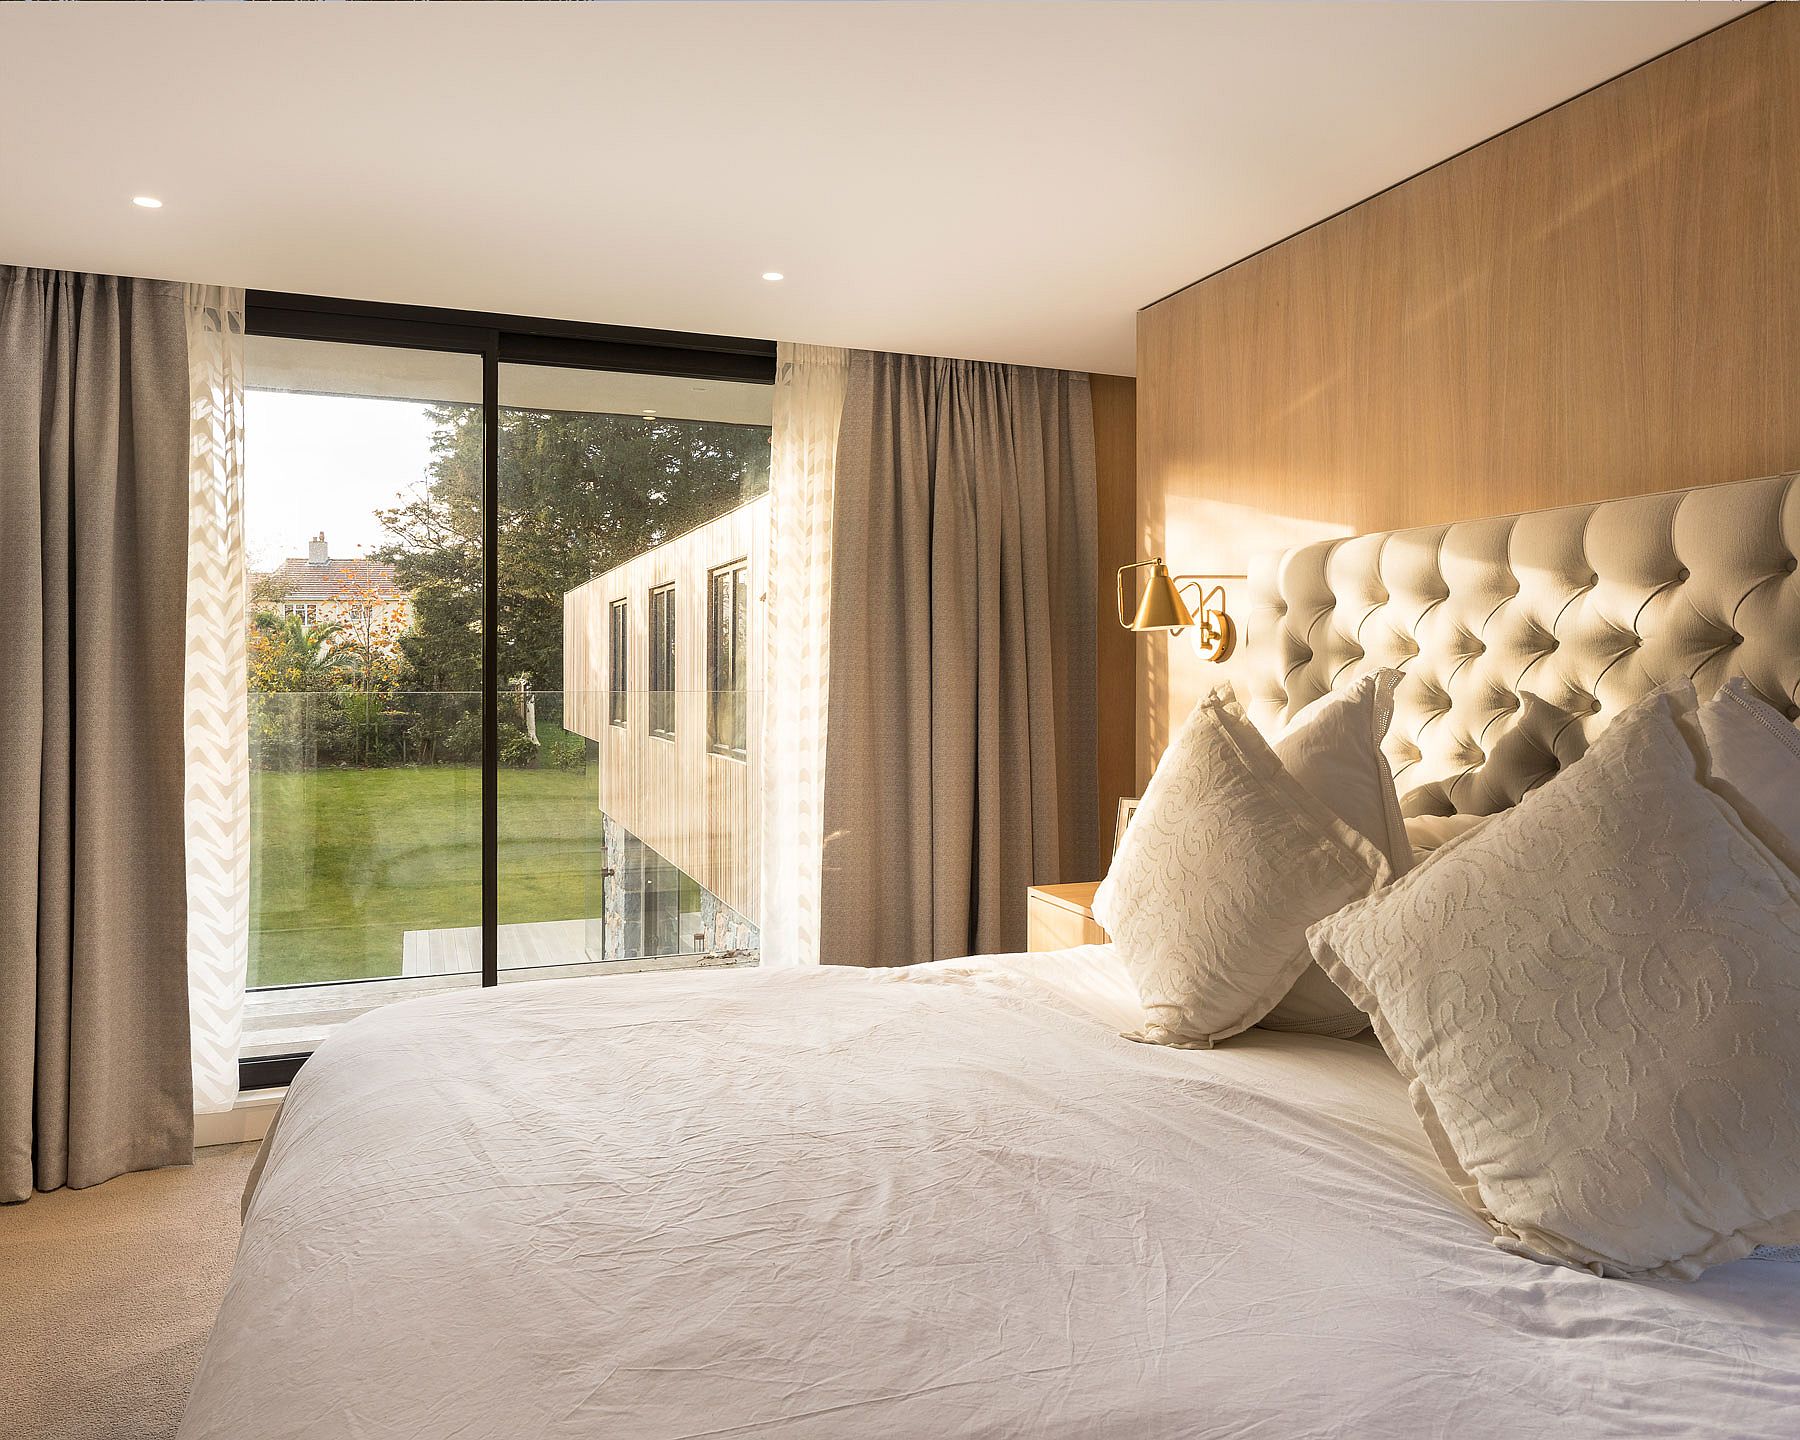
point(505, 655)
point(626, 831)
point(364, 550)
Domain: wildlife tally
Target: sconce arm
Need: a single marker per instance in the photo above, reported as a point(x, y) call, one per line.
point(1134, 565)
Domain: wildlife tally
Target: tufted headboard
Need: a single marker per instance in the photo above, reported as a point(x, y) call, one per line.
point(1520, 636)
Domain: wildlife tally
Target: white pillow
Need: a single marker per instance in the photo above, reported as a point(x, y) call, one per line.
point(1333, 748)
point(1595, 999)
point(1226, 862)
point(1755, 763)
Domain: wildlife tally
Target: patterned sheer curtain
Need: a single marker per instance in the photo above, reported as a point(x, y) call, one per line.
point(809, 399)
point(218, 760)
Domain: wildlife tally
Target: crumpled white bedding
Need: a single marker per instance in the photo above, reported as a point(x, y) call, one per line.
point(944, 1201)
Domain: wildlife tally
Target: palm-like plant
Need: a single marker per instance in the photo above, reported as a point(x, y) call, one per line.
point(305, 657)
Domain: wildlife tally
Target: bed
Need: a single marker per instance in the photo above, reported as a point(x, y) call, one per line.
point(951, 1200)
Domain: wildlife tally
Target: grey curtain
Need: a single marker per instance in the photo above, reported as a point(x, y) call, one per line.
point(95, 1073)
point(960, 753)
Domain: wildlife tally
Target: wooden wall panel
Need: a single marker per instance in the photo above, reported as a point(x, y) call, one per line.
point(1115, 466)
point(699, 810)
point(1604, 301)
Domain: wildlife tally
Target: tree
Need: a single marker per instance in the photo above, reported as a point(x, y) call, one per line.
point(265, 591)
point(579, 495)
point(296, 675)
point(288, 656)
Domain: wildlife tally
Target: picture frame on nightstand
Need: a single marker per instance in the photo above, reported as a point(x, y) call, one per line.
point(1127, 808)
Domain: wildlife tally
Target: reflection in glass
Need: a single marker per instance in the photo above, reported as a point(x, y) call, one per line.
point(616, 661)
point(727, 658)
point(662, 662)
point(628, 833)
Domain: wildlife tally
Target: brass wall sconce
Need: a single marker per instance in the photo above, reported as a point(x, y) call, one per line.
point(1163, 608)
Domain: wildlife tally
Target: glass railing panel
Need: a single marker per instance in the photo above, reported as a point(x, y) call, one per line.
point(365, 857)
point(646, 855)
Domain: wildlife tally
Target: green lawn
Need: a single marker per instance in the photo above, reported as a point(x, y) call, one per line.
point(343, 861)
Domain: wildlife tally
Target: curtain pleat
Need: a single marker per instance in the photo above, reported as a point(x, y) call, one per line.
point(961, 733)
point(95, 1076)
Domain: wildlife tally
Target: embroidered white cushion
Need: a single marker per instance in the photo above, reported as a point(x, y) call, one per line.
point(1226, 862)
point(1595, 999)
point(1333, 748)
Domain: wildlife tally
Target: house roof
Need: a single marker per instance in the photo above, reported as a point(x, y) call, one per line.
point(355, 580)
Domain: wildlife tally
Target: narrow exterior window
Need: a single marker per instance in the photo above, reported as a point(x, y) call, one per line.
point(616, 656)
point(662, 662)
point(726, 646)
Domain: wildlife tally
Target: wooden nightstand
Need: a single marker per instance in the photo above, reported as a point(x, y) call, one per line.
point(1058, 916)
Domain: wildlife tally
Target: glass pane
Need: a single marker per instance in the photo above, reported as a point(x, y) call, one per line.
point(362, 507)
point(626, 842)
point(616, 662)
point(727, 654)
point(662, 662)
point(740, 651)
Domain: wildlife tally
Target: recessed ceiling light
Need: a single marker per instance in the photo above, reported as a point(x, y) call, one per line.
point(773, 275)
point(146, 202)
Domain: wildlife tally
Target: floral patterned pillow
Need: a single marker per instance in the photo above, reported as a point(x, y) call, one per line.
point(1595, 999)
point(1226, 863)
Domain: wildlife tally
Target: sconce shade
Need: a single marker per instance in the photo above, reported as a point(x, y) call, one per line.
point(1162, 607)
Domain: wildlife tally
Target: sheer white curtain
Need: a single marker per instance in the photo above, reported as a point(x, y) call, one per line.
point(218, 759)
point(809, 399)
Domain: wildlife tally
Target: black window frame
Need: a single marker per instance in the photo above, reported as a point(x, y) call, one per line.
point(728, 702)
point(497, 339)
point(659, 661)
point(618, 661)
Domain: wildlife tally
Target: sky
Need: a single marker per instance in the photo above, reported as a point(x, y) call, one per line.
point(326, 462)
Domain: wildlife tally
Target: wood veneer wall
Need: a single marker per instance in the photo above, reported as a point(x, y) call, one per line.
point(1603, 301)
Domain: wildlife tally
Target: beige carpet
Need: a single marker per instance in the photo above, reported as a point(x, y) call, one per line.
point(107, 1296)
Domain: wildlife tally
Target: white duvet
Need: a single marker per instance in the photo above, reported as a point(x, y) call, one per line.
point(945, 1201)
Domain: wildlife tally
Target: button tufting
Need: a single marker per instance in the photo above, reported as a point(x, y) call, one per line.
point(1791, 565)
point(1683, 573)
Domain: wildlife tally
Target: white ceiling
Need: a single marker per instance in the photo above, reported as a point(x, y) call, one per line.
point(996, 181)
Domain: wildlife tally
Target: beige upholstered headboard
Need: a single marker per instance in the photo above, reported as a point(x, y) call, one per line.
point(1584, 608)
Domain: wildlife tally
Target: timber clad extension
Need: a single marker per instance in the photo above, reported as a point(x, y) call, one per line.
point(689, 797)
